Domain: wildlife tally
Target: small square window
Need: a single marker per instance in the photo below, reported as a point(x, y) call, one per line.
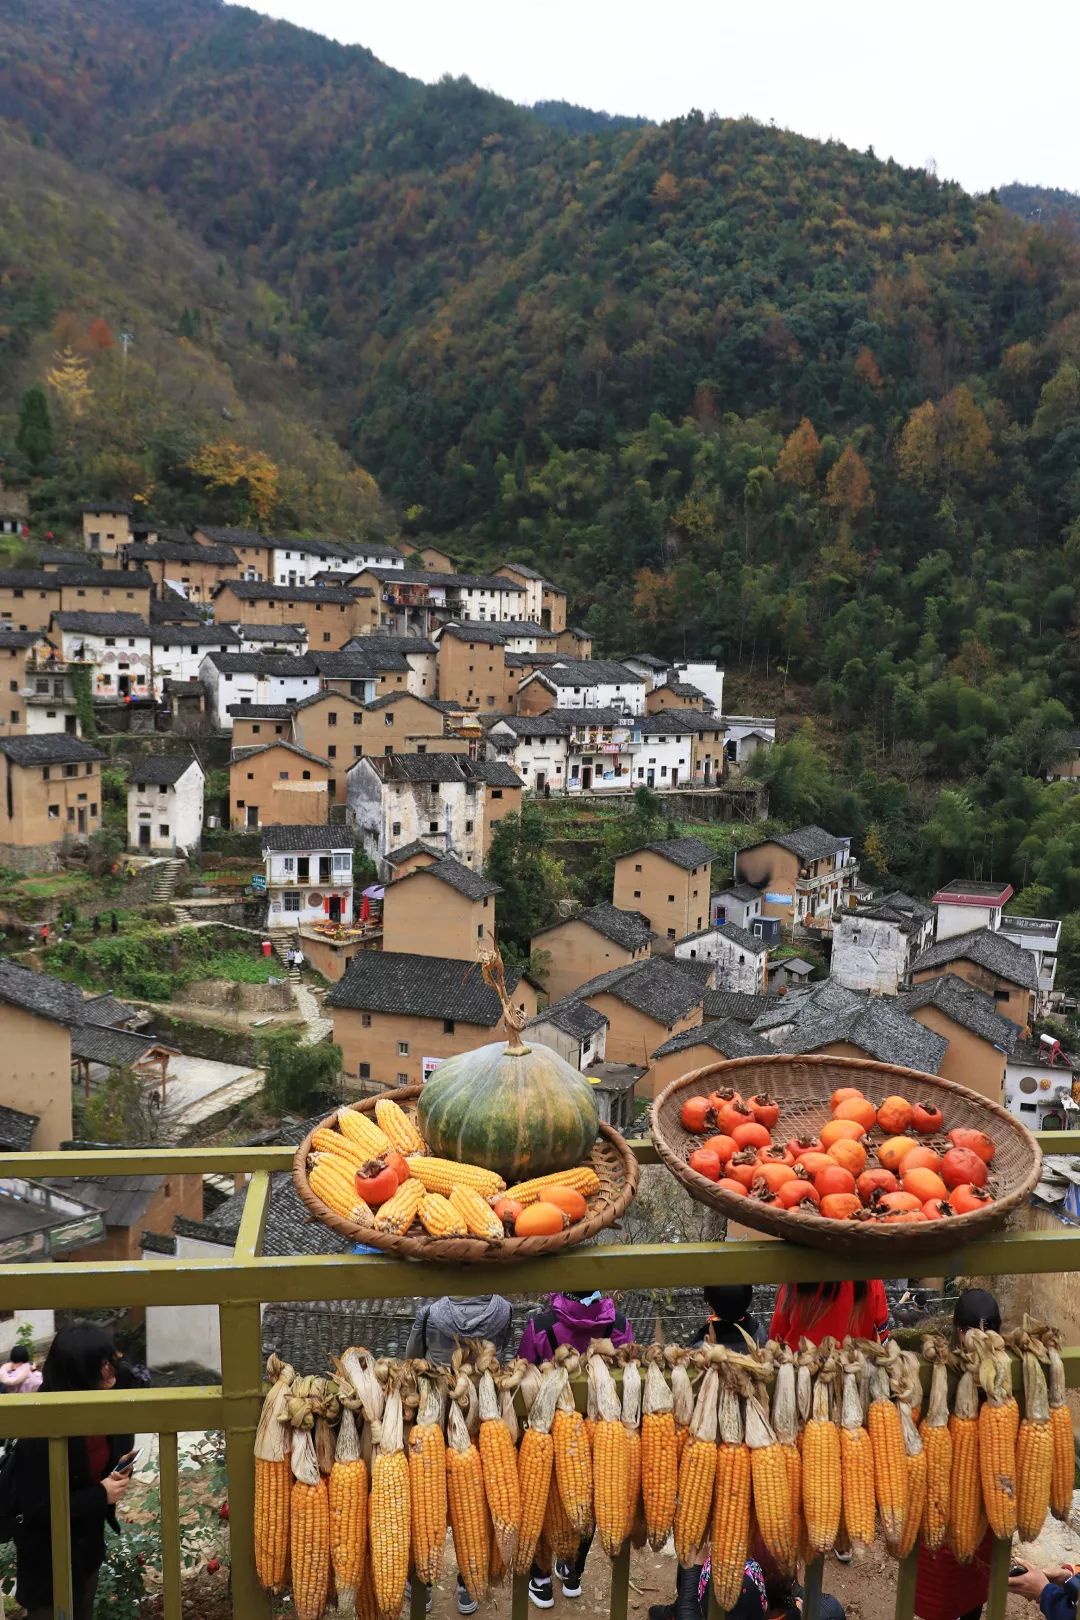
point(403, 1048)
point(54, 812)
point(364, 1071)
point(163, 829)
point(433, 826)
point(671, 899)
point(637, 894)
point(448, 1026)
point(365, 1020)
point(396, 829)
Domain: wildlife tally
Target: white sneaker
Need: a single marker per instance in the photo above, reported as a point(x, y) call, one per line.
point(540, 1594)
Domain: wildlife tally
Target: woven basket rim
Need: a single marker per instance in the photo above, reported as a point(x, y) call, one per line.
point(816, 1230)
point(468, 1250)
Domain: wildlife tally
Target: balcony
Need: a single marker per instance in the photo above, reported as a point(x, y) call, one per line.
point(237, 1287)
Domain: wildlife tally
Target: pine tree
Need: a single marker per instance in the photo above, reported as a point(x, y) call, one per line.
point(34, 439)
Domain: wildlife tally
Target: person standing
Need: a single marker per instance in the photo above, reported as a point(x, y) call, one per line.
point(18, 1375)
point(817, 1311)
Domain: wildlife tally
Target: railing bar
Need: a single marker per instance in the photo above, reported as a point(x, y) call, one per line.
point(171, 1573)
point(1000, 1560)
point(60, 1528)
point(620, 1584)
point(146, 1411)
point(240, 1332)
point(905, 1585)
point(249, 1235)
point(812, 1577)
point(713, 1611)
point(519, 1598)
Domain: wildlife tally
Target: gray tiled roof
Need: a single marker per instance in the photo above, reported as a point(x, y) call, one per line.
point(269, 632)
point(48, 748)
point(987, 950)
point(360, 664)
point(575, 1018)
point(181, 551)
point(724, 1035)
point(661, 989)
point(909, 915)
point(879, 1029)
point(383, 641)
point(397, 857)
point(284, 838)
point(679, 723)
point(20, 638)
point(420, 987)
point(426, 576)
point(808, 1003)
point(162, 769)
point(103, 624)
point(737, 935)
point(277, 742)
point(121, 508)
point(626, 928)
point(684, 689)
point(41, 993)
point(132, 579)
point(530, 660)
point(741, 891)
point(122, 1200)
point(231, 537)
point(98, 1043)
point(389, 699)
point(684, 852)
point(589, 672)
point(60, 558)
point(965, 1005)
point(252, 590)
point(538, 725)
point(17, 1129)
point(257, 663)
point(194, 635)
point(327, 697)
point(415, 767)
point(262, 711)
point(741, 1005)
point(107, 1009)
point(29, 579)
point(492, 772)
point(808, 843)
point(473, 885)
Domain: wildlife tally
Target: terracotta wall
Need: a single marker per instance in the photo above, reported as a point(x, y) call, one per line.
point(35, 1073)
point(376, 1044)
point(426, 917)
point(475, 674)
point(577, 953)
point(498, 802)
point(252, 780)
point(631, 1036)
point(535, 698)
point(969, 1060)
point(331, 728)
point(27, 796)
point(1010, 1000)
point(775, 868)
point(676, 902)
point(12, 681)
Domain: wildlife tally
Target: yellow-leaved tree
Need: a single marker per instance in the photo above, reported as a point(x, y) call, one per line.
point(228, 465)
point(70, 382)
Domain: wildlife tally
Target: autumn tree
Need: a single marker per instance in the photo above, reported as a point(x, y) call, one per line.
point(99, 334)
point(227, 465)
point(964, 434)
point(867, 369)
point(917, 450)
point(848, 489)
point(797, 461)
point(666, 190)
point(70, 382)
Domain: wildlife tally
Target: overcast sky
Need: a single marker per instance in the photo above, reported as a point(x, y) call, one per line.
point(987, 90)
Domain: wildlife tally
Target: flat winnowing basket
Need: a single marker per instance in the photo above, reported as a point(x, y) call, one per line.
point(612, 1160)
point(802, 1086)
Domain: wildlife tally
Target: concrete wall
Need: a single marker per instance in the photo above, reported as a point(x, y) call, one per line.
point(35, 1073)
point(578, 953)
point(426, 917)
point(42, 1322)
point(674, 901)
point(221, 994)
point(869, 954)
point(952, 920)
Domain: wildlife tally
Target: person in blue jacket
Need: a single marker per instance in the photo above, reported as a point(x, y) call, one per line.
point(1054, 1590)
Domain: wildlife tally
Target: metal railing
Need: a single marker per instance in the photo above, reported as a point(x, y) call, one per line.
point(239, 1284)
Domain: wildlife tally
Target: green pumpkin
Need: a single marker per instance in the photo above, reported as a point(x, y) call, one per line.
point(521, 1111)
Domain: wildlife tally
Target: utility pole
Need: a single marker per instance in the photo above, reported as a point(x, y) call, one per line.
point(126, 340)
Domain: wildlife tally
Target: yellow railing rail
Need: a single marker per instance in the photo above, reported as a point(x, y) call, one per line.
point(240, 1283)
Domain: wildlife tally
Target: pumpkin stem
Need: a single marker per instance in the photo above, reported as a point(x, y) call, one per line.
point(491, 966)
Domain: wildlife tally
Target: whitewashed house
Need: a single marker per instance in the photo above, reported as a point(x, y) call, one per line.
point(666, 752)
point(742, 959)
point(309, 875)
point(272, 638)
point(179, 649)
point(653, 670)
point(590, 683)
point(118, 645)
point(964, 904)
point(165, 804)
point(745, 734)
point(536, 746)
point(397, 799)
point(254, 678)
point(706, 677)
point(875, 945)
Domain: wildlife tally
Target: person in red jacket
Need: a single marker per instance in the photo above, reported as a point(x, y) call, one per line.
point(817, 1311)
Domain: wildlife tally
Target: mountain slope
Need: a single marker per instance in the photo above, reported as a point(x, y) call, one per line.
point(1043, 205)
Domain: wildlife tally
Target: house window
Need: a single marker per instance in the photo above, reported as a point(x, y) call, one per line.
point(283, 776)
point(637, 868)
point(402, 1079)
point(358, 752)
point(448, 1026)
point(290, 901)
point(671, 899)
point(468, 826)
point(433, 826)
point(357, 718)
point(364, 1071)
point(1001, 995)
point(54, 812)
point(331, 752)
point(305, 776)
point(395, 829)
point(637, 894)
point(403, 1048)
point(255, 730)
point(163, 829)
point(671, 933)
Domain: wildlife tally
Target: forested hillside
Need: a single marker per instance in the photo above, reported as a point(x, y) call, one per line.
point(746, 394)
point(1048, 205)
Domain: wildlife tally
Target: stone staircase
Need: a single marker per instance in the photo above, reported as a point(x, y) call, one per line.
point(282, 944)
point(166, 878)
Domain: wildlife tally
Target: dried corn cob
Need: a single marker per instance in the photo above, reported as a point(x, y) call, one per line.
point(439, 1218)
point(772, 1488)
point(559, 1534)
point(631, 1414)
point(439, 1175)
point(397, 1127)
point(399, 1212)
point(1034, 1443)
point(697, 1474)
point(611, 1459)
point(659, 1459)
point(821, 1488)
point(470, 1522)
point(362, 1129)
point(273, 1479)
point(479, 1217)
point(337, 1189)
point(856, 1459)
point(390, 1512)
point(309, 1511)
point(573, 1459)
point(348, 1504)
point(890, 1459)
point(536, 1456)
point(785, 1423)
point(325, 1140)
point(1063, 1465)
point(967, 1523)
point(999, 1423)
point(500, 1470)
point(916, 1467)
point(731, 1505)
point(937, 1445)
point(582, 1178)
point(682, 1402)
point(427, 1485)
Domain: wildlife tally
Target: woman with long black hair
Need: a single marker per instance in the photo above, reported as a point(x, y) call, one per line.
point(82, 1357)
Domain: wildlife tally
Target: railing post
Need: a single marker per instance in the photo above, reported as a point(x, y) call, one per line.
point(240, 1328)
point(171, 1572)
point(60, 1528)
point(1000, 1559)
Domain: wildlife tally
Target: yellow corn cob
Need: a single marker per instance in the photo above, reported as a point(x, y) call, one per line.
point(399, 1212)
point(999, 1422)
point(427, 1485)
point(573, 1465)
point(479, 1217)
point(890, 1466)
point(821, 1481)
point(582, 1178)
point(1034, 1447)
point(366, 1607)
point(857, 1484)
point(439, 1218)
point(362, 1129)
point(536, 1456)
point(439, 1175)
point(731, 1505)
point(500, 1471)
point(682, 1397)
point(659, 1461)
point(498, 1569)
point(325, 1140)
point(309, 1531)
point(967, 1521)
point(390, 1513)
point(772, 1489)
point(610, 1460)
point(631, 1413)
point(697, 1475)
point(348, 1504)
point(470, 1521)
point(273, 1479)
point(937, 1445)
point(338, 1192)
point(397, 1127)
point(915, 1470)
point(559, 1533)
point(1063, 1456)
point(785, 1422)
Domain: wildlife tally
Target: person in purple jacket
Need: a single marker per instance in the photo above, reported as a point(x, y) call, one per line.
point(576, 1320)
point(1054, 1590)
